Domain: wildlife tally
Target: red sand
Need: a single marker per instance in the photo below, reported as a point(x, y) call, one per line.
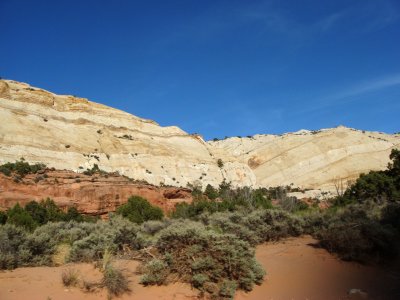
point(295, 270)
point(44, 283)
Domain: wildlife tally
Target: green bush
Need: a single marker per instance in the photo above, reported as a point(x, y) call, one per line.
point(156, 272)
point(139, 210)
point(211, 192)
point(3, 217)
point(256, 226)
point(220, 163)
point(95, 169)
point(363, 224)
point(228, 289)
point(11, 238)
point(390, 215)
point(53, 212)
point(357, 233)
point(153, 226)
point(198, 280)
point(20, 217)
point(19, 247)
point(35, 214)
point(377, 186)
point(37, 249)
point(114, 235)
point(228, 200)
point(199, 256)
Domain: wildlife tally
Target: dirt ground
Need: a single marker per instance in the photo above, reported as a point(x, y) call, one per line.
point(296, 269)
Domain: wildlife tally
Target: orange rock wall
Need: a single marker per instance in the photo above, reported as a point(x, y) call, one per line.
point(93, 195)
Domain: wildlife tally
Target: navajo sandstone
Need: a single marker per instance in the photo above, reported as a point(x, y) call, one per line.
point(72, 133)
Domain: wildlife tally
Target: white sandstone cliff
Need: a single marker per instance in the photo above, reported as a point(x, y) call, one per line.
point(72, 133)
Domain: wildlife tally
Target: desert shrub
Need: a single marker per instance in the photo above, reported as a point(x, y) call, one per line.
point(194, 209)
point(193, 252)
point(11, 238)
point(125, 233)
point(70, 277)
point(67, 232)
point(155, 272)
point(228, 289)
point(7, 261)
point(390, 215)
point(38, 248)
point(313, 221)
point(21, 248)
point(139, 210)
point(292, 204)
point(354, 233)
point(228, 200)
point(283, 224)
point(152, 227)
point(256, 226)
point(198, 280)
point(115, 281)
point(232, 223)
point(88, 241)
point(92, 246)
point(261, 199)
point(363, 223)
point(113, 235)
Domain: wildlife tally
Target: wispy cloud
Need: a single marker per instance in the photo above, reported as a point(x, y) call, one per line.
point(366, 17)
point(328, 22)
point(351, 94)
point(356, 18)
point(376, 15)
point(267, 19)
point(370, 86)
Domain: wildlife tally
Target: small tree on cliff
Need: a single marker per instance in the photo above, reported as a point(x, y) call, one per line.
point(211, 192)
point(220, 163)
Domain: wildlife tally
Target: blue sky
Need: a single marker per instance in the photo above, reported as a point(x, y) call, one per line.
point(218, 68)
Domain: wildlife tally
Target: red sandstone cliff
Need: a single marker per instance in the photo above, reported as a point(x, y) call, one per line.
point(94, 195)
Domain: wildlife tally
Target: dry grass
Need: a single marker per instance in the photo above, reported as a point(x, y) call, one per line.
point(89, 286)
point(60, 255)
point(70, 277)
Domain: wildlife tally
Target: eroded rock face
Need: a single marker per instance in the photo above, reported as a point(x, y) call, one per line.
point(94, 195)
point(312, 160)
point(67, 132)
